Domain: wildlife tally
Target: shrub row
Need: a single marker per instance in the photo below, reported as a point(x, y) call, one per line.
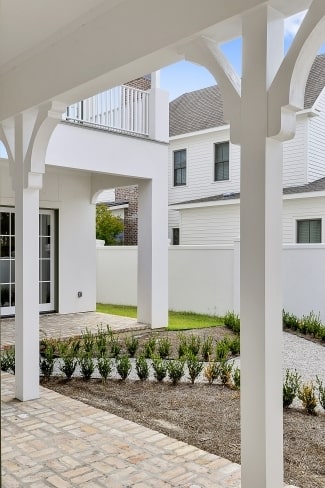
point(105, 343)
point(308, 324)
point(306, 392)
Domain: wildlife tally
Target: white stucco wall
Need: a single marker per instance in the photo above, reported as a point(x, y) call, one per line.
point(68, 192)
point(205, 279)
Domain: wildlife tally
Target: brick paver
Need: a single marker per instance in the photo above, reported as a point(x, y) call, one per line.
point(58, 442)
point(69, 325)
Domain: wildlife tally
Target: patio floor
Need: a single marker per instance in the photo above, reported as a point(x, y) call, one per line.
point(56, 441)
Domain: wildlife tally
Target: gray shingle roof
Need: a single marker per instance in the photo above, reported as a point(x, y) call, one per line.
point(203, 109)
point(316, 81)
point(318, 185)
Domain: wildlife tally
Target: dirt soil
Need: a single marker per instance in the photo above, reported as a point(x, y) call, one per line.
point(206, 416)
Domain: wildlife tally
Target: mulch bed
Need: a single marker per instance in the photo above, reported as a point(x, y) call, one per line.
point(206, 416)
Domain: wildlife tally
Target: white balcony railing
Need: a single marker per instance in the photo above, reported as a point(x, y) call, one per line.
point(122, 109)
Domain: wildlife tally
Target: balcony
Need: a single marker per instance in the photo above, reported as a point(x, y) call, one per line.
point(122, 109)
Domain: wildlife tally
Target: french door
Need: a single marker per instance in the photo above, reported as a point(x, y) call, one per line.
point(7, 261)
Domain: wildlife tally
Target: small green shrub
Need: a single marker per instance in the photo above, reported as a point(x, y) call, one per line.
point(87, 366)
point(68, 366)
point(222, 349)
point(68, 358)
point(207, 348)
point(321, 392)
point(182, 345)
point(232, 321)
point(149, 347)
point(47, 360)
point(176, 370)
point(308, 398)
point(142, 368)
point(312, 324)
point(290, 387)
point(131, 344)
point(290, 321)
point(115, 346)
point(194, 344)
point(123, 367)
point(88, 340)
point(104, 365)
point(102, 339)
point(236, 378)
point(164, 347)
point(8, 360)
point(160, 367)
point(234, 346)
point(194, 366)
point(211, 371)
point(225, 373)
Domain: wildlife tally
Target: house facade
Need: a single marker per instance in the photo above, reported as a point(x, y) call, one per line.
point(53, 55)
point(204, 170)
point(116, 123)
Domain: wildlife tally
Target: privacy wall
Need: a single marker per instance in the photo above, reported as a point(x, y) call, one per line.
point(205, 279)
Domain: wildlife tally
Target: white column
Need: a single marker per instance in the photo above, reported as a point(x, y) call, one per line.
point(260, 258)
point(158, 112)
point(153, 253)
point(26, 262)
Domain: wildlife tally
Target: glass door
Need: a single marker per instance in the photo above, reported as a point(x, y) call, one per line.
point(7, 261)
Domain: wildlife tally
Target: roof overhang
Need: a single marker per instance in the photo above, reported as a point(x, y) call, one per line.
point(67, 51)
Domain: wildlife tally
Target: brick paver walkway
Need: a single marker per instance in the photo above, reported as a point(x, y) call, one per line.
point(59, 442)
point(56, 441)
point(72, 324)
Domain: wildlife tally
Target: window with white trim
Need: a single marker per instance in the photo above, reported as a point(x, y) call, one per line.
point(309, 231)
point(221, 161)
point(180, 167)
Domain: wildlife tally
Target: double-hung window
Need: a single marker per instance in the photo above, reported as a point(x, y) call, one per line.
point(221, 161)
point(309, 231)
point(180, 167)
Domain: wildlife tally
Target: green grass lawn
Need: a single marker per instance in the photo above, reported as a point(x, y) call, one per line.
point(176, 320)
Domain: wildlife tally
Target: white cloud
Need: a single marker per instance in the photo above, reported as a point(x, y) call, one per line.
point(292, 24)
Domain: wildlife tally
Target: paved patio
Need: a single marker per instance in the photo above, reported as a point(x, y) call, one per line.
point(68, 325)
point(56, 441)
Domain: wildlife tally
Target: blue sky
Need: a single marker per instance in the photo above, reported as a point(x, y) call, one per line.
point(183, 77)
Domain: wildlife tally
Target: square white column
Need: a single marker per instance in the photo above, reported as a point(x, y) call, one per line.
point(260, 258)
point(153, 253)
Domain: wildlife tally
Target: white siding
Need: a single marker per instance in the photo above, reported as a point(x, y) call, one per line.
point(297, 209)
point(200, 167)
point(316, 141)
point(173, 222)
point(295, 155)
point(210, 225)
point(219, 225)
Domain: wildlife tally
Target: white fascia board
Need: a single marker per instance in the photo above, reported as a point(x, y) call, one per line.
point(200, 132)
point(234, 201)
point(183, 206)
point(309, 194)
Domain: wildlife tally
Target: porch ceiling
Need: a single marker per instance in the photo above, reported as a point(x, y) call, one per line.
point(47, 48)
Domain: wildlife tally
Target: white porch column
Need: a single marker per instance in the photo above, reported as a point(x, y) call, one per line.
point(260, 257)
point(27, 292)
point(153, 252)
point(26, 137)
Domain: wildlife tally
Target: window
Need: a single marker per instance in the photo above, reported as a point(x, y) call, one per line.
point(221, 161)
point(176, 236)
point(309, 231)
point(180, 167)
